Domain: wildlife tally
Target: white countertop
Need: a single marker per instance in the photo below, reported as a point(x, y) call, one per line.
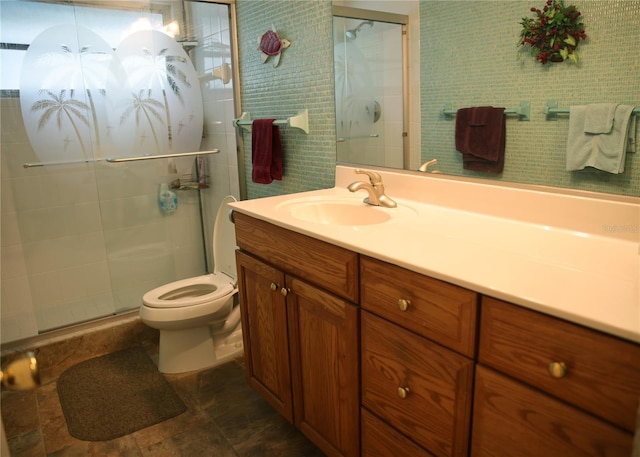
point(570, 256)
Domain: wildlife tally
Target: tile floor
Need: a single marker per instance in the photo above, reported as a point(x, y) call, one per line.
point(225, 418)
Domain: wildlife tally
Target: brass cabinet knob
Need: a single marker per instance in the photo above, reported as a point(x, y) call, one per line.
point(403, 392)
point(403, 304)
point(273, 286)
point(284, 291)
point(557, 369)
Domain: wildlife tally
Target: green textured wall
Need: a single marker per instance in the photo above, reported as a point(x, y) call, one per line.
point(469, 58)
point(303, 79)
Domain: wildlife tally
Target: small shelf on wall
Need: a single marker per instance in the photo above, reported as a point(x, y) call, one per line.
point(188, 186)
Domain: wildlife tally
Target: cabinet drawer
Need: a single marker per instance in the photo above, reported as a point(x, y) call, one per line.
point(433, 407)
point(602, 373)
point(381, 440)
point(330, 267)
point(438, 310)
point(511, 419)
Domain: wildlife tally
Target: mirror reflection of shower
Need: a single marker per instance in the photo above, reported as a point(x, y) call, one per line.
point(353, 33)
point(369, 74)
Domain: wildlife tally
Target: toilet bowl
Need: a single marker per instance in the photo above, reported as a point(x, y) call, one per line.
point(199, 318)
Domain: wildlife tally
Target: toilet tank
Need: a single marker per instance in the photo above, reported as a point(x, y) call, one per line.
point(224, 240)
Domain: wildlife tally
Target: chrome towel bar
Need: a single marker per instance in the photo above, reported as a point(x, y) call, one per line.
point(551, 110)
point(523, 111)
point(299, 121)
point(123, 159)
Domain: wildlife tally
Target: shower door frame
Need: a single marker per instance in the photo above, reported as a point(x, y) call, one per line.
point(150, 7)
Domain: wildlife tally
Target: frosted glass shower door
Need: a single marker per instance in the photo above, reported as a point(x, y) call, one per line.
point(84, 238)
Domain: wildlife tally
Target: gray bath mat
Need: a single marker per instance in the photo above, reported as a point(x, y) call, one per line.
point(114, 395)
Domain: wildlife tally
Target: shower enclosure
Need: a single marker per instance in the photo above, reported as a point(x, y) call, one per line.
point(370, 79)
point(103, 105)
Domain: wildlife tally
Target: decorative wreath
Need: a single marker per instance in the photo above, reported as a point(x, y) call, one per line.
point(553, 35)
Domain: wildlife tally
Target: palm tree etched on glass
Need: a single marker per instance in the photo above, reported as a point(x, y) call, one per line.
point(64, 77)
point(145, 107)
point(78, 96)
point(164, 100)
point(60, 107)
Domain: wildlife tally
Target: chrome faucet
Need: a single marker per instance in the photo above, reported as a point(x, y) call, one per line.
point(375, 189)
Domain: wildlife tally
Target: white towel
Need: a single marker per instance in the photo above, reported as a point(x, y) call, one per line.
point(631, 138)
point(605, 151)
point(599, 117)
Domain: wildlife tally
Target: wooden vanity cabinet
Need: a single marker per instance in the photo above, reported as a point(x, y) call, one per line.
point(417, 347)
point(301, 341)
point(421, 368)
point(549, 387)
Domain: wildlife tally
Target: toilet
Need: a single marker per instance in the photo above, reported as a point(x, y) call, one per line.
point(199, 317)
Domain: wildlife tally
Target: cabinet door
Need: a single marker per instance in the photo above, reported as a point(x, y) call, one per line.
point(264, 331)
point(324, 361)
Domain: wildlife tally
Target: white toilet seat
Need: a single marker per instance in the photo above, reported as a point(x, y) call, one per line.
point(194, 315)
point(191, 291)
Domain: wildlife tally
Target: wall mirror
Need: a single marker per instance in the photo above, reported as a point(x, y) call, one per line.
point(446, 65)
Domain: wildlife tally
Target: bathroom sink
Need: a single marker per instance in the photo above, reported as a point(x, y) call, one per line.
point(337, 211)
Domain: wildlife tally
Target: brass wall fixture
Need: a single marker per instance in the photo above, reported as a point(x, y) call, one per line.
point(21, 374)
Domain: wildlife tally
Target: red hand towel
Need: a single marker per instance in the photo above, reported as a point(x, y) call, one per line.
point(276, 154)
point(480, 136)
point(266, 151)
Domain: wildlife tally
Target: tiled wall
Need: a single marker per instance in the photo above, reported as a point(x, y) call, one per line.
point(303, 79)
point(469, 58)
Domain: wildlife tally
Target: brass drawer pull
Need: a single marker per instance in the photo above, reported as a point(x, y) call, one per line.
point(403, 392)
point(284, 291)
point(273, 286)
point(557, 369)
point(403, 304)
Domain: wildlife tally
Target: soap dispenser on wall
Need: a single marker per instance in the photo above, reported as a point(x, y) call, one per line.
point(167, 199)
